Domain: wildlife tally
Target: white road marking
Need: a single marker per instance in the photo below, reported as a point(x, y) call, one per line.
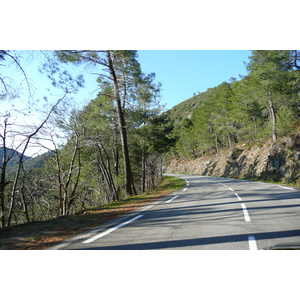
point(287, 188)
point(111, 230)
point(224, 185)
point(147, 207)
point(246, 215)
point(237, 195)
point(187, 183)
point(184, 189)
point(172, 199)
point(252, 242)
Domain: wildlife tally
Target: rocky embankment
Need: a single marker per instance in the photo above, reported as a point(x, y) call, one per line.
point(278, 162)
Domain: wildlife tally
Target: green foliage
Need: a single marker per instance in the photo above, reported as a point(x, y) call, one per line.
point(286, 119)
point(263, 104)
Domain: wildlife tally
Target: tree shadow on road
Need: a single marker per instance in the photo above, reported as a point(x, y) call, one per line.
point(201, 241)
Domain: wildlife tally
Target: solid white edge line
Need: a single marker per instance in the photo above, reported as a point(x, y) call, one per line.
point(285, 187)
point(111, 230)
point(172, 199)
point(246, 215)
point(252, 242)
point(147, 207)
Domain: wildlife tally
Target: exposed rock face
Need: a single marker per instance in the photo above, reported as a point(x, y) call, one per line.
point(272, 162)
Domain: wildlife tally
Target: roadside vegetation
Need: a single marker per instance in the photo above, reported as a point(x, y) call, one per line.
point(45, 234)
point(97, 154)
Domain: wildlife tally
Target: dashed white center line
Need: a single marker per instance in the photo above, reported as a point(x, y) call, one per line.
point(246, 215)
point(110, 230)
point(237, 195)
point(172, 199)
point(252, 242)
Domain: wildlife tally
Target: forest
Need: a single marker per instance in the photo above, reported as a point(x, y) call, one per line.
point(117, 144)
point(262, 105)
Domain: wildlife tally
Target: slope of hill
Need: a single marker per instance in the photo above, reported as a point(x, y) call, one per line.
point(236, 141)
point(13, 156)
point(184, 109)
point(29, 162)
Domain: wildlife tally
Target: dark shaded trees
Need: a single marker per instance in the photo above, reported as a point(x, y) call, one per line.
point(116, 67)
point(121, 70)
point(271, 70)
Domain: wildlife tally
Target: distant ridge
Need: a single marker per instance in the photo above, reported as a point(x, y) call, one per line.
point(13, 155)
point(29, 162)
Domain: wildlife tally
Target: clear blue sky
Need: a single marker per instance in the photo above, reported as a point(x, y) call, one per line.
point(185, 72)
point(181, 72)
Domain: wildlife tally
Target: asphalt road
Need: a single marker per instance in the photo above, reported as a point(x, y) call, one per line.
point(210, 213)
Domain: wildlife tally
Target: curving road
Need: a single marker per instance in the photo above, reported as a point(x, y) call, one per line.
point(210, 213)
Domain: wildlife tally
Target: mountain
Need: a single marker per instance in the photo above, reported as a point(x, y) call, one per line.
point(37, 161)
point(185, 108)
point(13, 155)
point(29, 162)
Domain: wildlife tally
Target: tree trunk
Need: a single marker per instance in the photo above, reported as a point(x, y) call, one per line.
point(116, 153)
point(129, 184)
point(143, 158)
point(2, 195)
point(23, 198)
point(216, 139)
point(106, 171)
point(272, 117)
point(3, 182)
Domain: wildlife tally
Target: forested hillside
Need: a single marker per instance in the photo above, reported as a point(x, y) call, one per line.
point(12, 155)
point(264, 104)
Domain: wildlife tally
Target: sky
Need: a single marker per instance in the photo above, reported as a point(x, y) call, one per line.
point(181, 73)
point(185, 72)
